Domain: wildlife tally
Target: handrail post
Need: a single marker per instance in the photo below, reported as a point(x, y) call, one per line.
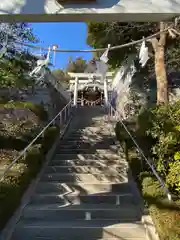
point(60, 120)
point(65, 117)
point(76, 91)
point(68, 110)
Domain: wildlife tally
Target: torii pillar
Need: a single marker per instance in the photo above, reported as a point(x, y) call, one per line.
point(75, 91)
point(105, 89)
point(102, 68)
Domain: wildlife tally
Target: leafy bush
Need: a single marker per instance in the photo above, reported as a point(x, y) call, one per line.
point(165, 215)
point(159, 129)
point(34, 159)
point(121, 134)
point(37, 109)
point(20, 176)
point(49, 137)
point(173, 176)
point(161, 124)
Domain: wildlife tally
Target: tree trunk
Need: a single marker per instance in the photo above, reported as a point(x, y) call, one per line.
point(161, 77)
point(160, 70)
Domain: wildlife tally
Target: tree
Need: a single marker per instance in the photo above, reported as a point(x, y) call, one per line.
point(116, 33)
point(62, 76)
point(18, 60)
point(77, 66)
point(16, 32)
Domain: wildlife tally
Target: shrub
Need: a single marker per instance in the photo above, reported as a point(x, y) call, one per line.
point(165, 215)
point(159, 129)
point(34, 159)
point(173, 176)
point(162, 125)
point(20, 176)
point(10, 194)
point(121, 133)
point(37, 109)
point(49, 137)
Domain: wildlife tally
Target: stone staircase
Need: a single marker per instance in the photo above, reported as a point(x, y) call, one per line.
point(85, 192)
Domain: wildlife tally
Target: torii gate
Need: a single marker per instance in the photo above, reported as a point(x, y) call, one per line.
point(79, 81)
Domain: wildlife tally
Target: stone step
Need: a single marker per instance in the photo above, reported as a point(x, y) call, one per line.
point(90, 150)
point(75, 150)
point(69, 212)
point(76, 198)
point(96, 127)
point(97, 156)
point(87, 238)
point(94, 168)
point(95, 138)
point(85, 178)
point(83, 188)
point(89, 134)
point(67, 141)
point(87, 162)
point(84, 193)
point(79, 230)
point(74, 145)
point(86, 145)
point(104, 130)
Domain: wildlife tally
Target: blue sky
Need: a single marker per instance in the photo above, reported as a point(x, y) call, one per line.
point(66, 36)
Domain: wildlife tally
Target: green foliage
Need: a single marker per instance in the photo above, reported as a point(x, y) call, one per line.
point(13, 71)
point(77, 66)
point(120, 132)
point(123, 136)
point(34, 159)
point(37, 109)
point(17, 31)
point(173, 177)
point(62, 76)
point(49, 137)
point(165, 215)
point(162, 125)
point(158, 128)
point(151, 187)
point(18, 179)
point(117, 33)
point(100, 34)
point(17, 61)
point(21, 174)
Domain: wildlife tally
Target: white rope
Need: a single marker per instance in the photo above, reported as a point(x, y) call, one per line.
point(98, 49)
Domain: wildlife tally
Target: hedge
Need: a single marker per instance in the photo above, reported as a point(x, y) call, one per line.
point(21, 175)
point(165, 215)
point(37, 109)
